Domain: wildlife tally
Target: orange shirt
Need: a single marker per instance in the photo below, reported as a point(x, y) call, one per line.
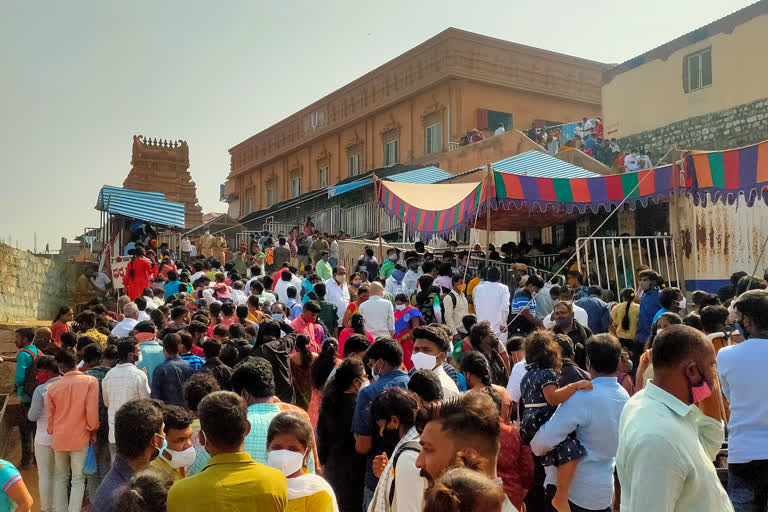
point(72, 404)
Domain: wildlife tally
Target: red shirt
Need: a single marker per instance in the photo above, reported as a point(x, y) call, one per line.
point(346, 333)
point(515, 465)
point(143, 270)
point(57, 329)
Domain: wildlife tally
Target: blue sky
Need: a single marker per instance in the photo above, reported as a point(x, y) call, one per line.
point(81, 78)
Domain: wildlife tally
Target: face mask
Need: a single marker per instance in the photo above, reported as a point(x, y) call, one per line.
point(357, 285)
point(278, 316)
point(43, 378)
point(341, 278)
point(645, 285)
point(422, 361)
point(163, 447)
point(401, 307)
point(286, 461)
point(701, 392)
point(181, 459)
point(564, 323)
point(374, 373)
point(682, 304)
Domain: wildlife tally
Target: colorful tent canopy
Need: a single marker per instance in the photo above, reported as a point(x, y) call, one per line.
point(524, 201)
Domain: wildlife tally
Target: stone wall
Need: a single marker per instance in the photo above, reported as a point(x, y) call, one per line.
point(739, 126)
point(32, 287)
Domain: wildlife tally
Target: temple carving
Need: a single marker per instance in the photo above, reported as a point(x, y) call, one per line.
point(163, 166)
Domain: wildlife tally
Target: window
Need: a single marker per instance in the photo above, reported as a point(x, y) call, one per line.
point(249, 206)
point(354, 164)
point(271, 195)
point(434, 139)
point(699, 67)
point(390, 152)
point(296, 186)
point(322, 177)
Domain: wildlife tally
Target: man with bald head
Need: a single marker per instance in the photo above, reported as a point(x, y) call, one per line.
point(131, 314)
point(378, 313)
point(666, 443)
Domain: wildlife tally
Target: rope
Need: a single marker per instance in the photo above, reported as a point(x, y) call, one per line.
point(618, 207)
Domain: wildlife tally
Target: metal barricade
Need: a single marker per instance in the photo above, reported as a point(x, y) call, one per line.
point(612, 262)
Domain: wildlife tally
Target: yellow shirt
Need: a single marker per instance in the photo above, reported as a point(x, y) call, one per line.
point(318, 502)
point(162, 466)
point(470, 290)
point(231, 482)
point(255, 318)
point(96, 335)
point(617, 317)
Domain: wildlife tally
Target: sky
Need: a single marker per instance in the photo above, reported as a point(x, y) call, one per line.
point(79, 79)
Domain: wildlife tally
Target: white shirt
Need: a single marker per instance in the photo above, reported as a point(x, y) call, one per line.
point(579, 313)
point(450, 389)
point(197, 275)
point(499, 130)
point(338, 296)
point(411, 281)
point(193, 250)
point(744, 381)
point(39, 413)
point(587, 127)
point(630, 162)
point(515, 378)
point(455, 313)
point(614, 147)
point(122, 384)
point(379, 316)
point(409, 484)
point(392, 287)
point(100, 280)
point(281, 290)
point(491, 302)
point(186, 245)
point(125, 327)
point(143, 316)
point(239, 298)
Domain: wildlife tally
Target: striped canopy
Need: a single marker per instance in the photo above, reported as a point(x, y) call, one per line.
point(523, 202)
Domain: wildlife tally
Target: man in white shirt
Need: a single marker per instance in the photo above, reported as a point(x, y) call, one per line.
point(395, 283)
point(378, 313)
point(430, 350)
point(586, 127)
point(100, 280)
point(744, 380)
point(142, 303)
point(666, 443)
point(337, 292)
point(456, 305)
point(199, 271)
point(630, 162)
point(131, 314)
point(122, 384)
point(411, 279)
point(491, 300)
point(281, 286)
point(500, 129)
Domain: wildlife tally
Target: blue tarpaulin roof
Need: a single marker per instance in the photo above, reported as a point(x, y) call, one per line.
point(540, 165)
point(147, 206)
point(427, 175)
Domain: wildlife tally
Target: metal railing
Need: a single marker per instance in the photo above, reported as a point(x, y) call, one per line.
point(361, 220)
point(612, 262)
point(507, 272)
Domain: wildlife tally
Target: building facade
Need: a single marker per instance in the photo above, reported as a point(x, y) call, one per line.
point(701, 91)
point(413, 109)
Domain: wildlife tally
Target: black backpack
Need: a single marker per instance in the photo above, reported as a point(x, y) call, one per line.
point(30, 375)
point(408, 446)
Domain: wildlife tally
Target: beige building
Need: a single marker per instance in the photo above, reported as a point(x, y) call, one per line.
point(411, 110)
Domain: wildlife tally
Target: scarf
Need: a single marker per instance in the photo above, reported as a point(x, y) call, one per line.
point(398, 275)
point(308, 485)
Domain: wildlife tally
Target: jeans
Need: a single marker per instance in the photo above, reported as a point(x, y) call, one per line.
point(367, 498)
point(27, 433)
point(67, 462)
point(103, 463)
point(45, 466)
point(748, 486)
point(333, 262)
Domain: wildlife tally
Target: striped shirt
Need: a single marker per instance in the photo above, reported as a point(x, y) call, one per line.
point(196, 362)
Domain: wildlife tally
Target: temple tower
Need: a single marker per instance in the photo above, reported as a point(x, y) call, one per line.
point(163, 166)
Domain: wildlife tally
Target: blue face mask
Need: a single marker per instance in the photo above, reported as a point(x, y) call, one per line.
point(278, 316)
point(162, 449)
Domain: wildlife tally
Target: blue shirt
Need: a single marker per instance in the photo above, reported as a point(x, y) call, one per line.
point(9, 475)
point(598, 313)
point(23, 361)
point(594, 415)
point(294, 308)
point(118, 476)
point(658, 314)
point(151, 357)
point(196, 362)
point(361, 420)
point(649, 306)
point(168, 380)
point(171, 288)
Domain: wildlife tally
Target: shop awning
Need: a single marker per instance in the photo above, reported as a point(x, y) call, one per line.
point(426, 175)
point(540, 165)
point(147, 206)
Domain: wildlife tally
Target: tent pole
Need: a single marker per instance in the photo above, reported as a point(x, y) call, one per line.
point(377, 190)
point(488, 214)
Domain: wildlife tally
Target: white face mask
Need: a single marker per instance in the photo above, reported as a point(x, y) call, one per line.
point(287, 461)
point(422, 361)
point(401, 307)
point(180, 459)
point(683, 304)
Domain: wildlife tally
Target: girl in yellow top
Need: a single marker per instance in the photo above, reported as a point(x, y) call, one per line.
point(624, 317)
point(289, 438)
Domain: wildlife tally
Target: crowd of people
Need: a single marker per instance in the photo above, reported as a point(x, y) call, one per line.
point(409, 384)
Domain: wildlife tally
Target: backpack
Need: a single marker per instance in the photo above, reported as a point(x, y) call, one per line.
point(413, 446)
point(30, 375)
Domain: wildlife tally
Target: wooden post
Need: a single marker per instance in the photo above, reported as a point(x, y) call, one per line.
point(488, 179)
point(377, 191)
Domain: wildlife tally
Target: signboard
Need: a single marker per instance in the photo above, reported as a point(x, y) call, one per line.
point(119, 266)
